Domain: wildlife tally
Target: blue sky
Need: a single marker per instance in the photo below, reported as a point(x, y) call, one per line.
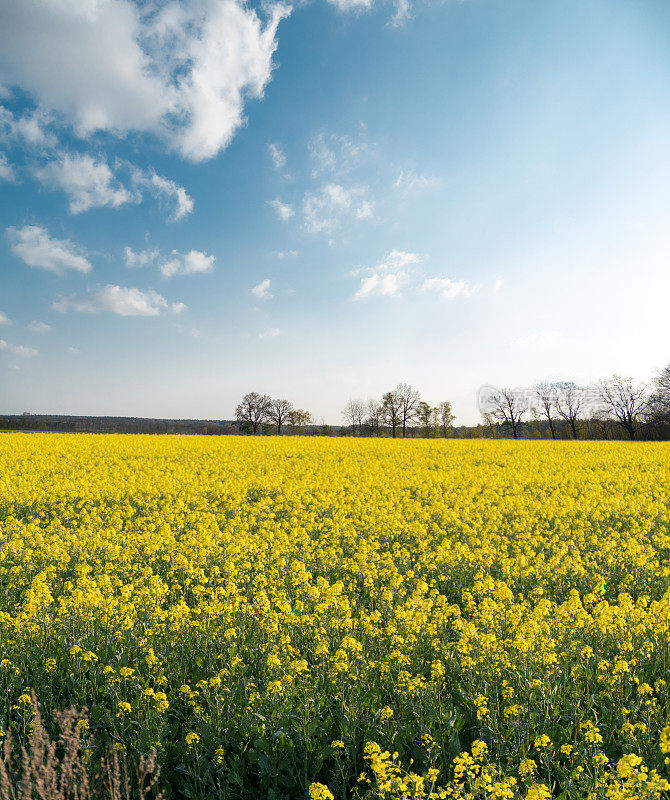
point(203, 198)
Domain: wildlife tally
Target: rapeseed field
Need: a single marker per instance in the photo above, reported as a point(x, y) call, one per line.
point(319, 618)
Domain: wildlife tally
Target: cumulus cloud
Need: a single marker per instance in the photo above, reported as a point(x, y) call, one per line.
point(176, 263)
point(190, 263)
point(388, 285)
point(409, 181)
point(88, 182)
point(180, 70)
point(388, 277)
point(17, 350)
point(286, 253)
point(6, 169)
point(325, 210)
point(4, 319)
point(36, 248)
point(38, 327)
point(139, 258)
point(277, 155)
point(284, 211)
point(262, 290)
point(124, 301)
point(449, 289)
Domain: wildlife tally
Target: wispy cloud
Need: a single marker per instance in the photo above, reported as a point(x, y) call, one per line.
point(4, 319)
point(270, 333)
point(409, 181)
point(139, 258)
point(284, 210)
point(262, 290)
point(328, 208)
point(17, 350)
point(38, 327)
point(166, 192)
point(449, 289)
point(36, 248)
point(7, 172)
point(124, 301)
point(277, 155)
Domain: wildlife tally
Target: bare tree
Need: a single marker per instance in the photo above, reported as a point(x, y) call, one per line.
point(374, 415)
point(660, 398)
point(626, 401)
point(546, 395)
point(354, 413)
point(446, 417)
point(279, 411)
point(253, 411)
point(392, 404)
point(507, 409)
point(409, 400)
point(569, 403)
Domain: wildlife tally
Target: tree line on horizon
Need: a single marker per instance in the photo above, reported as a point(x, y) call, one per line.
point(616, 407)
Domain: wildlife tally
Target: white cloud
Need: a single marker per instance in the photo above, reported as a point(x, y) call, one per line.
point(388, 285)
point(277, 155)
point(388, 277)
point(270, 333)
point(333, 153)
point(401, 14)
point(6, 169)
point(351, 5)
point(91, 183)
point(139, 258)
point(4, 319)
point(31, 128)
point(88, 183)
point(449, 289)
point(17, 350)
point(190, 263)
point(166, 190)
point(124, 301)
point(284, 211)
point(38, 327)
point(328, 208)
point(365, 210)
point(497, 285)
point(183, 70)
point(262, 290)
point(286, 253)
point(409, 181)
point(74, 351)
point(33, 245)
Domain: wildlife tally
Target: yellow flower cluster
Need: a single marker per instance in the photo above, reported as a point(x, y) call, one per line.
point(314, 617)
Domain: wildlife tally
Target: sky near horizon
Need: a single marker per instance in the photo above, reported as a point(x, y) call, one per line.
point(319, 200)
